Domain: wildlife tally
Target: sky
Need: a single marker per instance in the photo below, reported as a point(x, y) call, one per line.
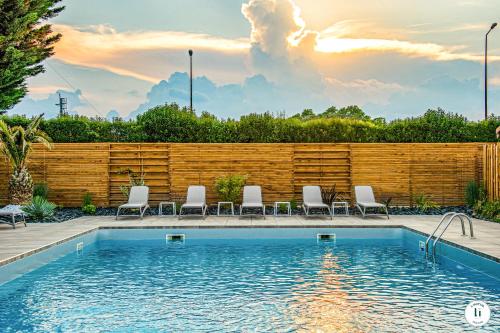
point(393, 58)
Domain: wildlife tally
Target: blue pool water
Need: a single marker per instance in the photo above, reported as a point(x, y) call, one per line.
point(247, 280)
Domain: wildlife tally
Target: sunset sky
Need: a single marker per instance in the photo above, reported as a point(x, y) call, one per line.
point(393, 58)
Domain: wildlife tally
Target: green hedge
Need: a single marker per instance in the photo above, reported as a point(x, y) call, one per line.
point(170, 123)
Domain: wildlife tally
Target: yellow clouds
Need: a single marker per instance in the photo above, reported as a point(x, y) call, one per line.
point(103, 47)
point(495, 81)
point(277, 30)
point(340, 38)
point(434, 51)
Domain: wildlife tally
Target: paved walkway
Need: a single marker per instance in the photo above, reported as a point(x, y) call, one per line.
point(22, 241)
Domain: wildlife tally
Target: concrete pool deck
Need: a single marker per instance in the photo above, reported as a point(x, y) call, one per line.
point(24, 241)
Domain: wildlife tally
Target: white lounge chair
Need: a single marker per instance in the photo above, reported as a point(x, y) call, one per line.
point(311, 196)
point(252, 198)
point(195, 200)
point(11, 211)
point(138, 198)
point(365, 200)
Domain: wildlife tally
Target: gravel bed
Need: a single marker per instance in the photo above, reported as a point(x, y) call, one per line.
point(64, 214)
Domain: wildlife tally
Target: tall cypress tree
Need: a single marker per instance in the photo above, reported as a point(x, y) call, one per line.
point(24, 43)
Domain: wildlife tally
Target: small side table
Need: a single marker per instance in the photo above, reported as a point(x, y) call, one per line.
point(340, 204)
point(166, 203)
point(221, 203)
point(288, 208)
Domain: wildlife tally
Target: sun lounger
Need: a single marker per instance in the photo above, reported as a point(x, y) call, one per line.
point(252, 199)
point(312, 200)
point(11, 212)
point(366, 200)
point(195, 200)
point(137, 199)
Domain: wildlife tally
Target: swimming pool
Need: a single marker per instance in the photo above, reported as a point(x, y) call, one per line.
point(219, 280)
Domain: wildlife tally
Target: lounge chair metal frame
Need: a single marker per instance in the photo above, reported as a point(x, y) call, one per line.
point(311, 196)
point(362, 210)
point(252, 198)
point(366, 193)
point(195, 199)
point(11, 211)
point(138, 199)
point(202, 214)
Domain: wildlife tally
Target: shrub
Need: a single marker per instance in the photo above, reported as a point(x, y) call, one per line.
point(87, 205)
point(169, 123)
point(87, 199)
point(329, 194)
point(425, 203)
point(473, 193)
point(387, 201)
point(229, 188)
point(89, 209)
point(172, 123)
point(134, 179)
point(39, 208)
point(41, 190)
point(489, 210)
point(71, 129)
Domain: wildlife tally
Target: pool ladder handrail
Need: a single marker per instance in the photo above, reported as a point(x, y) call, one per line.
point(453, 215)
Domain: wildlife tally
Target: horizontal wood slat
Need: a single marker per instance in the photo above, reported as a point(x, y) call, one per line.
point(399, 171)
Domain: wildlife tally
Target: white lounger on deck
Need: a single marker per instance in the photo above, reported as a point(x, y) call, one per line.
point(138, 198)
point(312, 199)
point(11, 211)
point(365, 199)
point(252, 198)
point(195, 200)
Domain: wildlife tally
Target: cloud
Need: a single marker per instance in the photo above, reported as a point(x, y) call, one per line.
point(462, 96)
point(101, 46)
point(255, 94)
point(282, 65)
point(339, 38)
point(281, 44)
point(362, 92)
point(276, 24)
point(32, 107)
point(112, 115)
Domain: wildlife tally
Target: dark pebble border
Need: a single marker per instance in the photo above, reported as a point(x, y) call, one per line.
point(65, 214)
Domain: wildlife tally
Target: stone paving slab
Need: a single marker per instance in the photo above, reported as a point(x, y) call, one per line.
point(22, 241)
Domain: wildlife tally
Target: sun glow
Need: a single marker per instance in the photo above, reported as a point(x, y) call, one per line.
point(430, 50)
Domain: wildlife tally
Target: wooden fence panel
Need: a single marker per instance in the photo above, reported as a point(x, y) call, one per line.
point(386, 167)
point(442, 171)
point(400, 171)
point(268, 165)
point(322, 164)
point(404, 171)
point(491, 170)
point(149, 159)
point(69, 170)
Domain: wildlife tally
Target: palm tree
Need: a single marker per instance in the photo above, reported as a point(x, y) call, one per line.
point(16, 144)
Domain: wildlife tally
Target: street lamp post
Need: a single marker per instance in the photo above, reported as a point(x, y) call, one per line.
point(486, 71)
point(191, 79)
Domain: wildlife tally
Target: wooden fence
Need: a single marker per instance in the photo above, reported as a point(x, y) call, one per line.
point(400, 171)
point(491, 170)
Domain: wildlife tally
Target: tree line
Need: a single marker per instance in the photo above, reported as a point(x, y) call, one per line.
point(171, 123)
